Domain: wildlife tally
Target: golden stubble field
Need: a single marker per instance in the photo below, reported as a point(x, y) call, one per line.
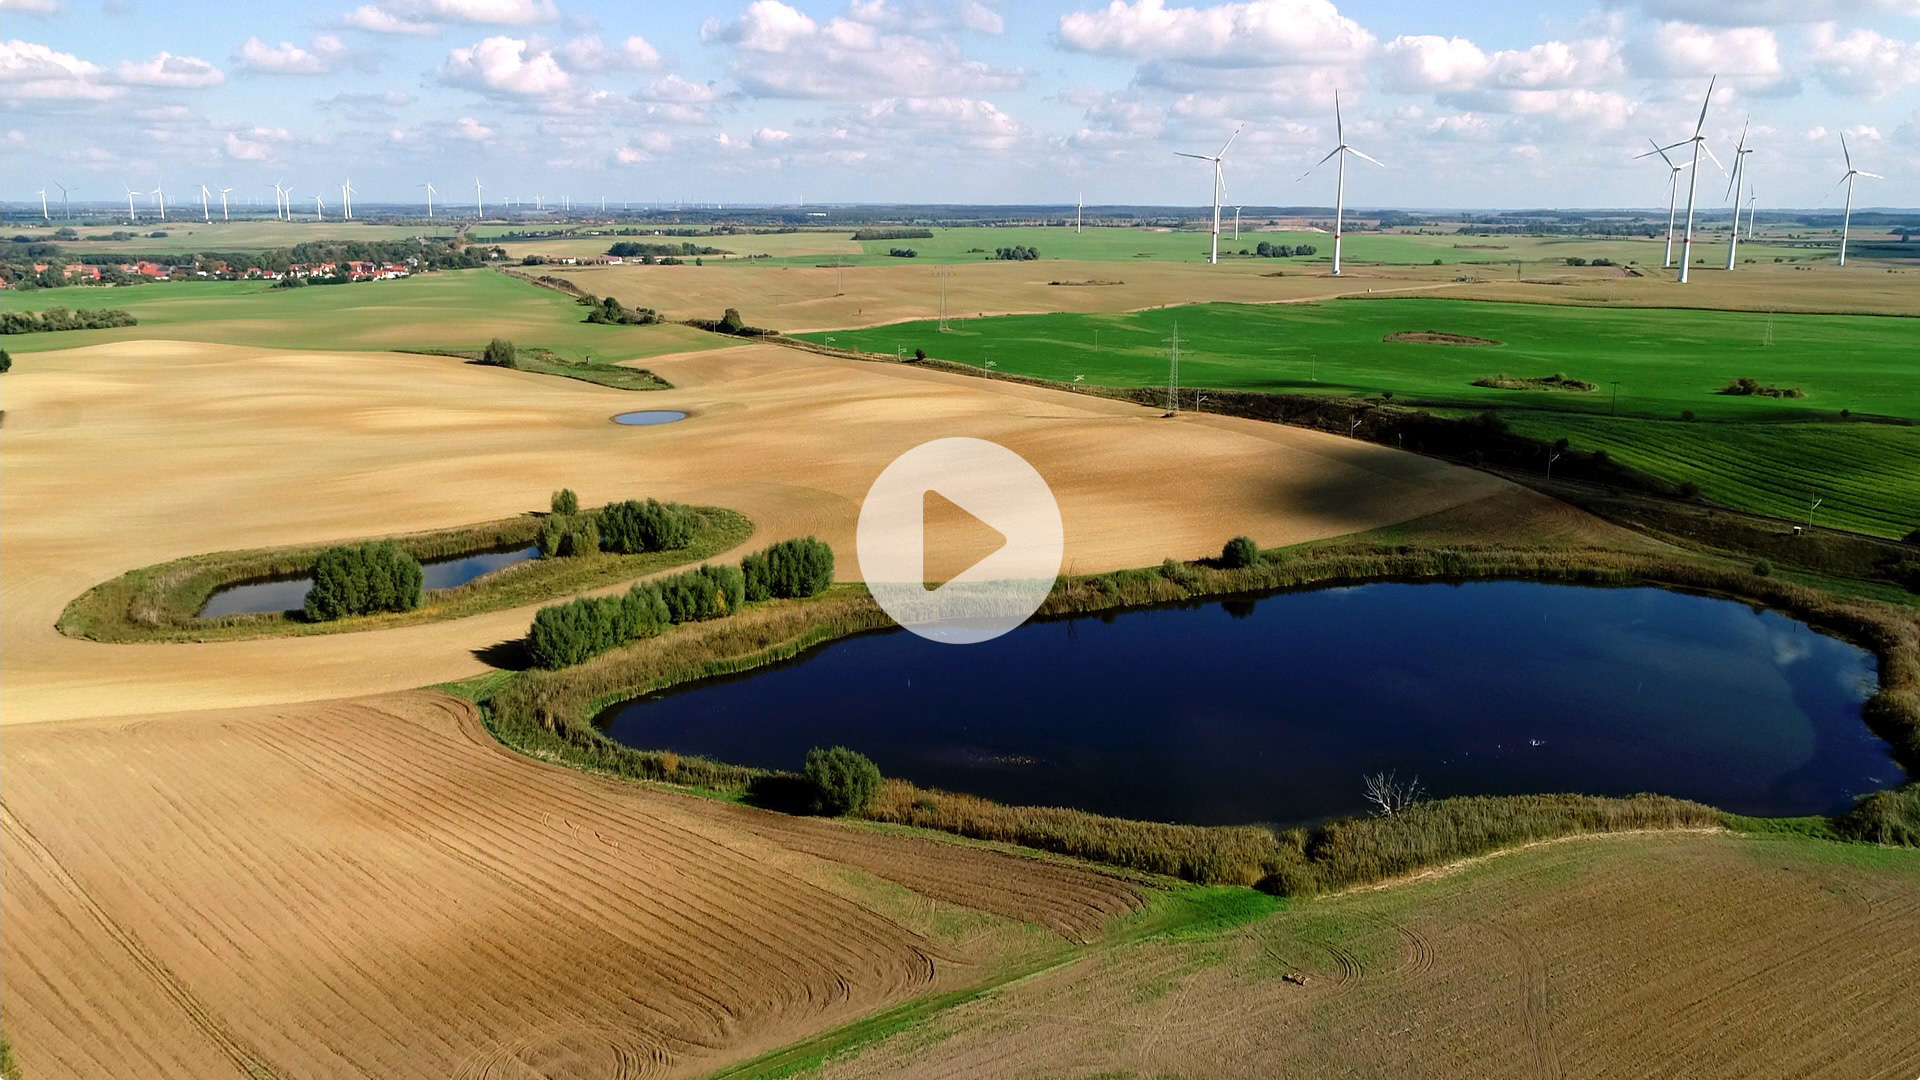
point(376, 888)
point(122, 455)
point(1630, 956)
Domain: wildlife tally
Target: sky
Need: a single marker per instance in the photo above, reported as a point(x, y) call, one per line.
point(1468, 103)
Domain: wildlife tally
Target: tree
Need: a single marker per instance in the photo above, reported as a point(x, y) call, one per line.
point(789, 569)
point(6, 362)
point(843, 781)
point(1240, 552)
point(919, 354)
point(731, 323)
point(1389, 796)
point(1914, 538)
point(500, 353)
point(363, 579)
point(631, 527)
point(565, 502)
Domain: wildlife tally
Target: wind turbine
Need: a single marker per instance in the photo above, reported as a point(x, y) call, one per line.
point(1218, 160)
point(44, 216)
point(65, 214)
point(160, 199)
point(131, 217)
point(479, 208)
point(205, 214)
point(319, 209)
point(429, 186)
point(223, 202)
point(1740, 153)
point(346, 199)
point(1340, 192)
point(278, 196)
point(1699, 142)
point(1847, 222)
point(1752, 197)
point(289, 202)
point(1079, 205)
point(1236, 221)
point(1673, 196)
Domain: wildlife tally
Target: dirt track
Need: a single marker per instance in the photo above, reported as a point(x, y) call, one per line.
point(376, 888)
point(123, 455)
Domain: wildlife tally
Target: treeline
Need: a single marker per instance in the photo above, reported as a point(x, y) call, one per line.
point(609, 310)
point(730, 323)
point(59, 318)
point(630, 249)
point(893, 234)
point(902, 253)
point(363, 579)
point(569, 633)
point(1266, 250)
point(1017, 253)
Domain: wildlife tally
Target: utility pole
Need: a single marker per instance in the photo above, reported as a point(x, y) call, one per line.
point(1173, 374)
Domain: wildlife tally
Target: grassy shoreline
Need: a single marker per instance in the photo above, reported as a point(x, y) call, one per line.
point(162, 602)
point(550, 716)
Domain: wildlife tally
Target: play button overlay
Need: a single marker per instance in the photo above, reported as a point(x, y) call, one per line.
point(972, 516)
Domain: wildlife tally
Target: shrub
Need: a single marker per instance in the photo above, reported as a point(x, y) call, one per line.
point(500, 353)
point(843, 781)
point(730, 322)
point(574, 534)
point(6, 362)
point(564, 502)
point(1913, 538)
point(363, 579)
point(1686, 414)
point(1689, 490)
point(789, 569)
point(1240, 553)
point(918, 354)
point(710, 592)
point(59, 318)
point(1763, 568)
point(566, 634)
point(631, 528)
point(1885, 817)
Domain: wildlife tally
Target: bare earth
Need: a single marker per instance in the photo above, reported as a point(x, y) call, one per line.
point(1679, 955)
point(118, 456)
point(376, 888)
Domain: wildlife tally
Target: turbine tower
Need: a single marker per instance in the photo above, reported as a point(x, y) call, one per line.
point(1340, 191)
point(1740, 153)
point(346, 200)
point(429, 186)
point(1080, 205)
point(205, 214)
point(1699, 142)
point(479, 208)
point(1752, 197)
point(289, 202)
point(1218, 160)
point(44, 216)
point(65, 214)
point(223, 203)
point(160, 200)
point(131, 217)
point(278, 198)
point(319, 209)
point(1673, 196)
point(1846, 223)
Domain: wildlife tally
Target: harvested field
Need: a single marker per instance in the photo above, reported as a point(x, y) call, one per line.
point(1695, 955)
point(382, 443)
point(376, 888)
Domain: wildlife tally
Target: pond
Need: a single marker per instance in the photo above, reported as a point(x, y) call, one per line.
point(649, 417)
point(290, 593)
point(1273, 709)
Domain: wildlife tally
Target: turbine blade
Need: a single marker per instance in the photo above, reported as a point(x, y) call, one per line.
point(1358, 154)
point(1662, 150)
point(1330, 156)
point(1704, 105)
point(1229, 142)
point(1339, 128)
point(1844, 152)
point(1710, 157)
point(1183, 153)
point(1870, 175)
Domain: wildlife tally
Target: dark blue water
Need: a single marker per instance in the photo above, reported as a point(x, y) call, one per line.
point(1272, 710)
point(290, 594)
point(649, 418)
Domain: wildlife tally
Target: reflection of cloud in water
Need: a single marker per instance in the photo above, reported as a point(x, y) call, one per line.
point(1789, 647)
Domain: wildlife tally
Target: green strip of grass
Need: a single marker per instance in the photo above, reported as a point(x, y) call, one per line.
point(162, 602)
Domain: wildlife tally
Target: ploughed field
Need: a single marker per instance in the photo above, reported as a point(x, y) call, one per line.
point(375, 887)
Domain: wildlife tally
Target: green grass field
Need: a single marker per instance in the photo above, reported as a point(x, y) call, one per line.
point(449, 309)
point(1764, 454)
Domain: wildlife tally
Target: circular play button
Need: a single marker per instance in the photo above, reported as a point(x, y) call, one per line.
point(968, 490)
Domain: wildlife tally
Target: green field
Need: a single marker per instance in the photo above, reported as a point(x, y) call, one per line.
point(1755, 452)
point(446, 309)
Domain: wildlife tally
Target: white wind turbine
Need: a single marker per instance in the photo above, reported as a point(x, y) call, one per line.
point(1673, 196)
point(1340, 191)
point(131, 216)
point(1218, 160)
point(1236, 221)
point(346, 199)
point(1846, 222)
point(319, 209)
point(289, 202)
point(1699, 142)
point(429, 186)
point(223, 203)
point(1740, 153)
point(1752, 198)
point(479, 208)
point(278, 198)
point(65, 214)
point(160, 200)
point(205, 214)
point(44, 216)
point(1080, 204)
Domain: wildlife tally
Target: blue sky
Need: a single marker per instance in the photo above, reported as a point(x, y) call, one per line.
point(1468, 103)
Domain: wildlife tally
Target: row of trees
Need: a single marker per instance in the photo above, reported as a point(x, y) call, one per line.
point(1017, 253)
point(363, 579)
point(59, 318)
point(730, 323)
point(1266, 250)
point(609, 310)
point(892, 234)
point(903, 253)
point(629, 249)
point(623, 528)
point(569, 633)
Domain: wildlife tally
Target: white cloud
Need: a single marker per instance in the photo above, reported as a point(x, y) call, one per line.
point(925, 16)
point(379, 20)
point(793, 56)
point(591, 54)
point(1427, 62)
point(676, 89)
point(951, 121)
point(1260, 33)
point(505, 65)
point(770, 137)
point(256, 144)
point(287, 58)
point(166, 69)
point(29, 71)
point(472, 130)
point(1674, 49)
point(426, 16)
point(31, 7)
point(1863, 62)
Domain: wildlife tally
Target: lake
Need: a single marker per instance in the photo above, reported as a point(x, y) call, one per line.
point(290, 593)
point(1272, 709)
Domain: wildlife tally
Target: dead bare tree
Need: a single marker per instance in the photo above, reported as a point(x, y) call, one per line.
point(1389, 795)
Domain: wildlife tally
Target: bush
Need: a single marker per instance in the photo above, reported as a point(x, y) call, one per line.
point(843, 781)
point(1885, 817)
point(1240, 553)
point(789, 569)
point(363, 579)
point(564, 502)
point(1763, 568)
point(6, 362)
point(500, 353)
point(59, 318)
point(631, 528)
point(569, 535)
point(566, 634)
point(730, 322)
point(710, 592)
point(921, 354)
point(1911, 538)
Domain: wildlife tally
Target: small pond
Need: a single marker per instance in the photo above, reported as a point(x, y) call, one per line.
point(1272, 709)
point(649, 417)
point(290, 593)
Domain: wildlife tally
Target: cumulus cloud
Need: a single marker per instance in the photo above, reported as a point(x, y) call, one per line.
point(30, 71)
point(921, 16)
point(676, 89)
point(794, 56)
point(1427, 62)
point(379, 20)
point(1749, 53)
point(472, 130)
point(166, 69)
point(1863, 62)
point(287, 58)
point(589, 53)
point(952, 121)
point(426, 16)
point(505, 65)
point(31, 7)
point(255, 144)
point(1261, 33)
